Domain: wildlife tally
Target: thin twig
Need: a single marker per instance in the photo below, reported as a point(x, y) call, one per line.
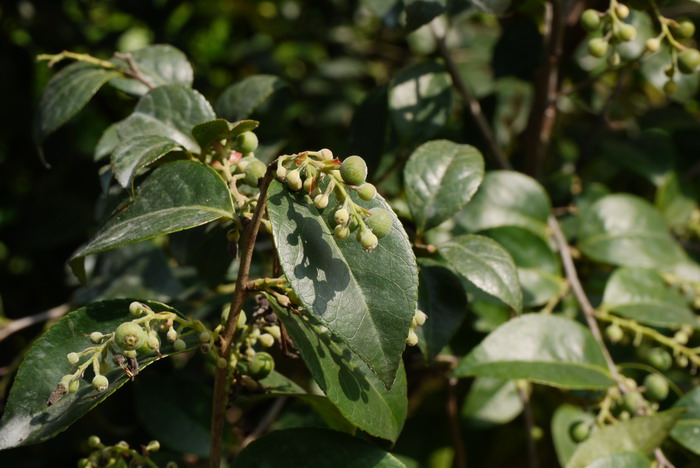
point(661, 460)
point(221, 377)
point(265, 422)
point(453, 416)
point(529, 419)
point(134, 71)
point(24, 322)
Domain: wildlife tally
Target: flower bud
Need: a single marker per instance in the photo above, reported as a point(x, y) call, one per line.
point(341, 232)
point(205, 337)
point(342, 216)
point(367, 191)
point(153, 446)
point(73, 358)
point(321, 201)
point(96, 337)
point(369, 241)
point(412, 339)
point(420, 317)
point(172, 334)
point(100, 383)
point(325, 154)
point(179, 345)
point(266, 340)
point(294, 180)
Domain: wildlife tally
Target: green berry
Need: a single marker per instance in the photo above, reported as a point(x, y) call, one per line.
point(131, 353)
point(614, 59)
point(266, 340)
point(670, 87)
point(688, 60)
point(179, 345)
point(321, 201)
point(622, 11)
point(73, 358)
point(83, 463)
point(96, 337)
point(153, 342)
point(294, 180)
point(153, 446)
point(367, 191)
point(590, 20)
point(129, 336)
point(221, 363)
point(380, 222)
point(580, 431)
point(254, 171)
point(653, 44)
point(614, 333)
point(260, 365)
point(100, 383)
point(341, 232)
point(246, 142)
point(354, 170)
point(172, 334)
point(325, 154)
point(342, 216)
point(684, 29)
point(632, 401)
point(660, 359)
point(656, 387)
point(681, 337)
point(74, 386)
point(249, 383)
point(281, 173)
point(598, 47)
point(205, 337)
point(94, 441)
point(626, 32)
point(275, 331)
point(369, 241)
point(135, 308)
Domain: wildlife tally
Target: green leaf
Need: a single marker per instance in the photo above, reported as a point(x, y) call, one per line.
point(675, 199)
point(546, 349)
point(491, 402)
point(27, 419)
point(65, 94)
point(486, 265)
point(420, 98)
point(626, 230)
point(176, 196)
point(643, 295)
point(168, 111)
point(107, 142)
point(507, 198)
point(159, 64)
point(641, 434)
point(206, 249)
point(207, 133)
point(368, 129)
point(313, 448)
point(495, 7)
point(564, 418)
point(344, 286)
point(134, 153)
point(687, 429)
point(537, 264)
point(440, 178)
point(239, 100)
point(622, 460)
point(420, 12)
point(345, 379)
point(442, 298)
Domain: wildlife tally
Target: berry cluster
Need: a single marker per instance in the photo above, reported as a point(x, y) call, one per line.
point(119, 454)
point(319, 174)
point(418, 320)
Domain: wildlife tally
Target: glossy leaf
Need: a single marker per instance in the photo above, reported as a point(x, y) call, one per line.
point(545, 349)
point(622, 460)
point(564, 418)
point(239, 100)
point(159, 64)
point(507, 198)
point(491, 402)
point(643, 295)
point(420, 98)
point(207, 133)
point(344, 286)
point(440, 178)
point(135, 153)
point(313, 448)
point(486, 265)
point(626, 230)
point(687, 429)
point(66, 94)
point(346, 380)
point(27, 419)
point(176, 196)
point(641, 434)
point(107, 142)
point(168, 111)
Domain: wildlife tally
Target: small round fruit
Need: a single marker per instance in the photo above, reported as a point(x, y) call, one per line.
point(420, 317)
point(94, 441)
point(412, 339)
point(685, 29)
point(100, 383)
point(96, 337)
point(580, 431)
point(342, 216)
point(246, 142)
point(266, 340)
point(260, 365)
point(369, 241)
point(294, 180)
point(325, 154)
point(179, 345)
point(681, 337)
point(670, 87)
point(73, 358)
point(281, 173)
point(205, 337)
point(309, 184)
point(653, 44)
point(598, 47)
point(622, 11)
point(688, 60)
point(380, 222)
point(590, 20)
point(353, 170)
point(172, 334)
point(656, 387)
point(341, 232)
point(626, 32)
point(632, 401)
point(367, 191)
point(614, 333)
point(321, 201)
point(254, 171)
point(153, 446)
point(129, 336)
point(135, 308)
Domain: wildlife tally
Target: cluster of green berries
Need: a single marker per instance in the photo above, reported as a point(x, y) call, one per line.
point(418, 320)
point(248, 363)
point(320, 175)
point(615, 30)
point(657, 357)
point(119, 454)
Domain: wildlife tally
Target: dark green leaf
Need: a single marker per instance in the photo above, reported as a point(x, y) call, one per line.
point(507, 198)
point(168, 111)
point(622, 460)
point(546, 349)
point(342, 285)
point(420, 98)
point(27, 420)
point(239, 100)
point(643, 295)
point(626, 230)
point(491, 402)
point(486, 265)
point(207, 133)
point(675, 200)
point(687, 429)
point(68, 92)
point(420, 12)
point(440, 178)
point(107, 142)
point(159, 65)
point(134, 153)
point(177, 196)
point(640, 434)
point(368, 129)
point(346, 380)
point(564, 418)
point(313, 448)
point(204, 248)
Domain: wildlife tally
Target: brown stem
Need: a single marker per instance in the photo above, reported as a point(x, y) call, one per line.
point(529, 419)
point(265, 422)
point(453, 416)
point(134, 69)
point(24, 322)
point(221, 377)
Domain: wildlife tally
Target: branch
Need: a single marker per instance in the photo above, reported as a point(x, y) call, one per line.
point(529, 426)
point(221, 377)
point(134, 69)
point(265, 422)
point(453, 416)
point(24, 322)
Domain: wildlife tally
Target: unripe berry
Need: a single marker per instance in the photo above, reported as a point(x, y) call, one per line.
point(626, 32)
point(656, 387)
point(420, 317)
point(221, 363)
point(380, 222)
point(321, 201)
point(294, 180)
point(94, 441)
point(172, 334)
point(260, 365)
point(598, 47)
point(660, 358)
point(129, 336)
point(341, 232)
point(369, 241)
point(275, 331)
point(653, 44)
point(179, 345)
point(614, 333)
point(73, 386)
point(100, 383)
point(633, 401)
point(685, 29)
point(281, 173)
point(308, 184)
point(670, 87)
point(135, 308)
point(246, 142)
point(325, 154)
point(580, 431)
point(96, 337)
point(153, 446)
point(688, 60)
point(73, 358)
point(254, 171)
point(342, 216)
point(266, 340)
point(354, 170)
point(614, 59)
point(412, 339)
point(590, 20)
point(367, 191)
point(622, 11)
point(153, 342)
point(681, 337)
point(205, 337)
